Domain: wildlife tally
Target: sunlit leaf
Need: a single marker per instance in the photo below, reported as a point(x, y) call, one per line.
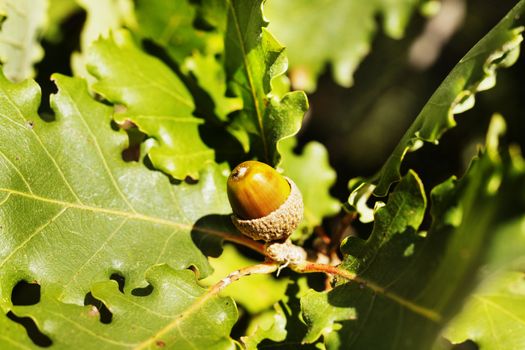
point(177, 306)
point(72, 212)
point(255, 293)
point(270, 325)
point(156, 101)
point(170, 25)
point(102, 18)
point(318, 203)
point(494, 317)
point(253, 58)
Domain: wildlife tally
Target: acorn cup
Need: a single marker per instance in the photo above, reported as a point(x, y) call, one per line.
point(266, 205)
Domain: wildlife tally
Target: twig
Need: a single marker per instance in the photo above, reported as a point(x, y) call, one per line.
point(264, 268)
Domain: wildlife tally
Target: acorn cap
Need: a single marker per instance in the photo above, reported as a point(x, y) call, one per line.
point(279, 224)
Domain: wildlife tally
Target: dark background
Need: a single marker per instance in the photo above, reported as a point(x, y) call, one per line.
point(361, 125)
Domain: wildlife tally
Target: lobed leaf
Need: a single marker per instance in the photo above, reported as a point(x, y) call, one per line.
point(211, 77)
point(412, 284)
point(170, 25)
point(72, 212)
point(255, 293)
point(475, 72)
point(156, 101)
point(176, 307)
point(253, 58)
point(102, 18)
point(270, 325)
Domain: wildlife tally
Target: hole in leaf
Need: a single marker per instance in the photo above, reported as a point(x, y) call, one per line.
point(99, 308)
point(142, 292)
point(466, 345)
point(190, 181)
point(32, 330)
point(25, 293)
point(194, 269)
point(119, 279)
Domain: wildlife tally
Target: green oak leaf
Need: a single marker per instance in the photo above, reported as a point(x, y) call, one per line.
point(102, 18)
point(13, 335)
point(19, 36)
point(402, 215)
point(475, 72)
point(494, 316)
point(211, 77)
point(72, 212)
point(253, 58)
point(176, 308)
point(318, 203)
point(214, 13)
point(410, 283)
point(156, 101)
point(322, 316)
point(338, 32)
point(269, 325)
point(170, 25)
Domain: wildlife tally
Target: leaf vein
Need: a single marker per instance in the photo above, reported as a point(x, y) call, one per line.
point(53, 160)
point(31, 236)
point(17, 171)
point(250, 78)
point(76, 274)
point(101, 154)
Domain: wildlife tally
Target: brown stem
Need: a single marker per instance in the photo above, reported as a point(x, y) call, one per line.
point(321, 233)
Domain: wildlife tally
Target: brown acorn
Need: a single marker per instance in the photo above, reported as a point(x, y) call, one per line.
point(266, 205)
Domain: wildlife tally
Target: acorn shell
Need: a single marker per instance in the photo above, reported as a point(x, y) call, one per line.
point(256, 189)
point(279, 224)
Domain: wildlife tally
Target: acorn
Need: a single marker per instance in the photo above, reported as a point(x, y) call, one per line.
point(266, 205)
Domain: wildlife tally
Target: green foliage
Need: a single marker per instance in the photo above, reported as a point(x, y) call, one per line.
point(416, 281)
point(253, 59)
point(127, 251)
point(475, 72)
point(499, 310)
point(19, 47)
point(256, 293)
point(176, 306)
point(101, 208)
point(318, 203)
point(155, 100)
point(297, 24)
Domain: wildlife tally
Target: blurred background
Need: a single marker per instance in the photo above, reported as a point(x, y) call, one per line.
point(361, 125)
